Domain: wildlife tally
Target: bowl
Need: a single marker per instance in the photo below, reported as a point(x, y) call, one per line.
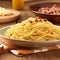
point(28, 43)
point(14, 16)
point(53, 18)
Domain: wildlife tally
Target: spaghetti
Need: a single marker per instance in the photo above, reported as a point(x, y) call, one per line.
point(36, 29)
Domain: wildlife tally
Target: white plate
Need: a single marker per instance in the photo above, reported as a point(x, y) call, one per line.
point(28, 43)
point(10, 18)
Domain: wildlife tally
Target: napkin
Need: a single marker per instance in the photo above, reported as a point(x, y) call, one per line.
point(19, 51)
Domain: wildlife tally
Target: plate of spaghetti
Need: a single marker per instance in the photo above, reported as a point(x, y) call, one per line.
point(32, 32)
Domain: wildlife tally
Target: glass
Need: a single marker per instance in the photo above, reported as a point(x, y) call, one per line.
point(17, 4)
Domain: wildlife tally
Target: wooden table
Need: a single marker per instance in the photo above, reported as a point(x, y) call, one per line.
point(50, 55)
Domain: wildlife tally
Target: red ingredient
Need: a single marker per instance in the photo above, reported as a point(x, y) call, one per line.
point(30, 22)
point(51, 32)
point(10, 34)
point(45, 20)
point(36, 20)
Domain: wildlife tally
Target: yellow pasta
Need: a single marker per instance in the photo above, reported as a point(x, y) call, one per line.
point(36, 29)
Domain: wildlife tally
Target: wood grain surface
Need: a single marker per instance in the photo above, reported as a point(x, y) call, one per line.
point(50, 55)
